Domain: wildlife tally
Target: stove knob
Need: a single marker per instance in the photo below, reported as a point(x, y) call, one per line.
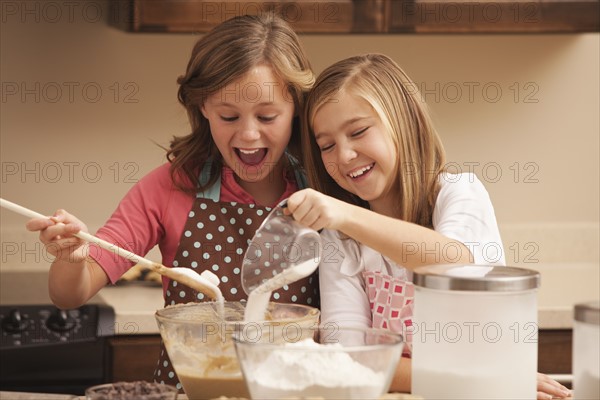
point(59, 321)
point(14, 323)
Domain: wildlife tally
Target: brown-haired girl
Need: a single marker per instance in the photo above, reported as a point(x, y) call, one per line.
point(243, 90)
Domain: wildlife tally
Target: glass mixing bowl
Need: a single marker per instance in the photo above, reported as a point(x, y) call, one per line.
point(340, 363)
point(200, 346)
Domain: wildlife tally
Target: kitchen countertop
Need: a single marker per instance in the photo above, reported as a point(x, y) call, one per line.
point(134, 307)
point(135, 304)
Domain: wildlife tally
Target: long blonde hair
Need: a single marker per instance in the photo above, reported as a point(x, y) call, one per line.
point(219, 58)
point(420, 155)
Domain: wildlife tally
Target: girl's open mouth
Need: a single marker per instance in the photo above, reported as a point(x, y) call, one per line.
point(251, 157)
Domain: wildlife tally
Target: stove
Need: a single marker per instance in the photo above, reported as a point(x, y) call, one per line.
point(46, 349)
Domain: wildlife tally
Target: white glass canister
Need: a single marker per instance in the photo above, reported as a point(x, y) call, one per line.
point(586, 351)
point(475, 332)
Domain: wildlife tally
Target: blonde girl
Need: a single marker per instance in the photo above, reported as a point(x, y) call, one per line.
point(383, 194)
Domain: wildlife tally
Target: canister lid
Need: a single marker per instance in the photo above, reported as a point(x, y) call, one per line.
point(470, 277)
point(588, 312)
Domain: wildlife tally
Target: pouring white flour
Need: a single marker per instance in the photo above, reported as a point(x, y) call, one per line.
point(259, 297)
point(281, 252)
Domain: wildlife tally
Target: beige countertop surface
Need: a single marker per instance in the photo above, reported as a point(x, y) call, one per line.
point(134, 307)
point(135, 304)
point(559, 292)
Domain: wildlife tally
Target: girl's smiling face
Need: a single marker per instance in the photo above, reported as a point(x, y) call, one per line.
point(356, 149)
point(251, 123)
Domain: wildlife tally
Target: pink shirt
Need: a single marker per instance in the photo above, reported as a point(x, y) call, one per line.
point(153, 213)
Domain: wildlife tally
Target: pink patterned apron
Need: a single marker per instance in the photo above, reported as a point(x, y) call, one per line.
point(391, 302)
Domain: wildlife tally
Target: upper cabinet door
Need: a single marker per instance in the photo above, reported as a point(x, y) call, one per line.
point(366, 16)
point(545, 16)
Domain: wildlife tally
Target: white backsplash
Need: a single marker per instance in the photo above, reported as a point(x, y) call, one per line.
point(526, 245)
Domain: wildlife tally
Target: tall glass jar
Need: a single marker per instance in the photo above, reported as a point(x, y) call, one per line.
point(586, 351)
point(475, 332)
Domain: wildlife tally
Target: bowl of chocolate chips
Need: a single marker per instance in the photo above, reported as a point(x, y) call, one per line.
point(138, 390)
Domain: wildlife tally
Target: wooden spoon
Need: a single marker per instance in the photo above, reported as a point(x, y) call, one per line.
point(206, 282)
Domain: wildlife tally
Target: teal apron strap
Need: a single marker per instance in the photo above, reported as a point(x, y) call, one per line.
point(213, 192)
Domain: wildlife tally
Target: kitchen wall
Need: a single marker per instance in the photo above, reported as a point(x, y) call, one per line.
point(86, 107)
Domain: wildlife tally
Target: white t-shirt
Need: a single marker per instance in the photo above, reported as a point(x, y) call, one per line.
point(463, 211)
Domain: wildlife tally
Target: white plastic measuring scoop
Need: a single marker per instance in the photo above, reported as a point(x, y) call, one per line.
point(281, 252)
point(206, 282)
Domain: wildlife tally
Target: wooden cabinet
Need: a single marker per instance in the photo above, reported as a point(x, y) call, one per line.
point(131, 358)
point(199, 16)
point(555, 353)
point(427, 16)
point(555, 349)
point(366, 16)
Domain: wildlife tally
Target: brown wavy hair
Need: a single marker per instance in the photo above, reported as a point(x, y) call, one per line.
point(219, 58)
point(420, 155)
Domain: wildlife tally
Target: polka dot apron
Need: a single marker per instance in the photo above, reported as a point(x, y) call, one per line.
point(391, 302)
point(215, 237)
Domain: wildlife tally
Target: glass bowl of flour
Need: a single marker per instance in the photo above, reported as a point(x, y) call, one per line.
point(330, 362)
point(198, 339)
